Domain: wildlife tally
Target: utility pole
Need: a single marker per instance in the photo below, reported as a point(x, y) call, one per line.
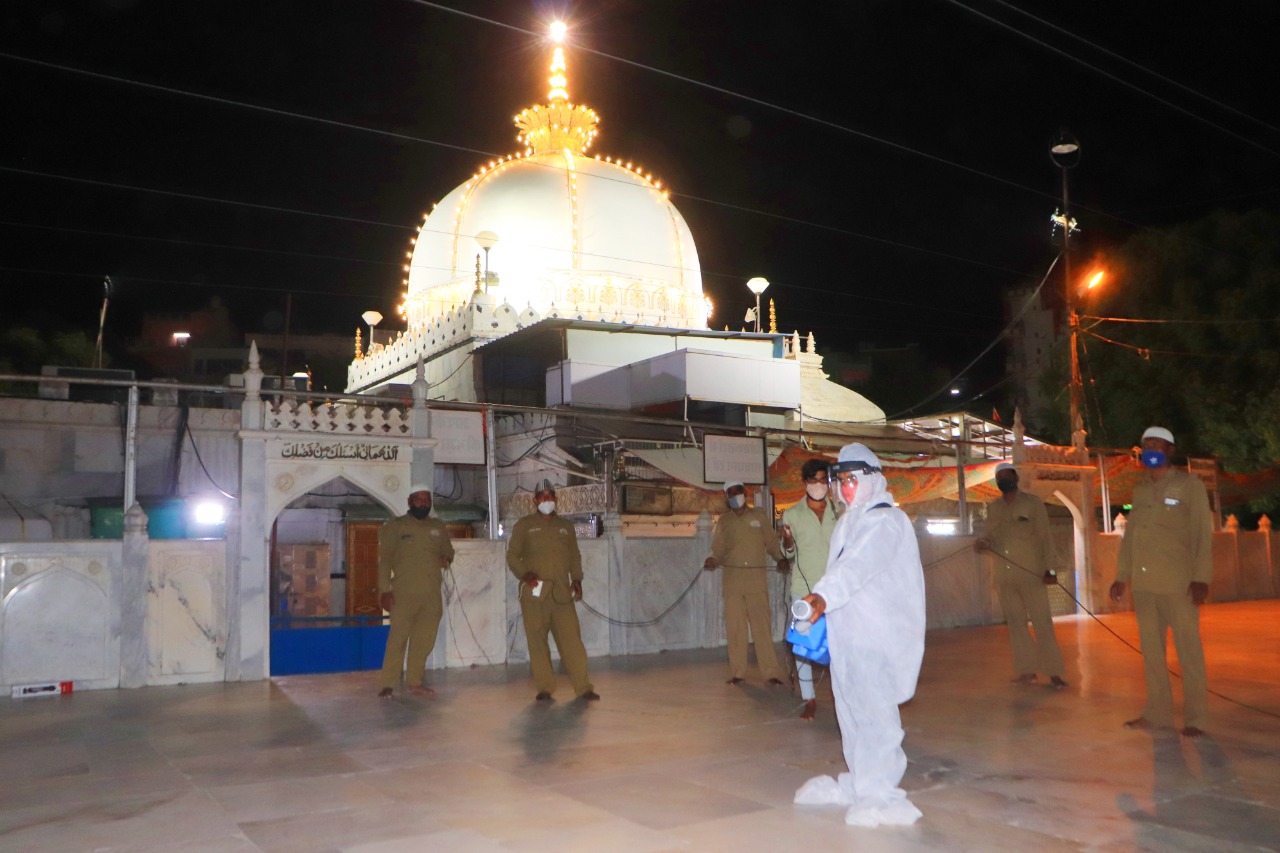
point(1065, 153)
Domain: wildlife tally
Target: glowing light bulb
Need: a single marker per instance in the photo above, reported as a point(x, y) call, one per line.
point(559, 29)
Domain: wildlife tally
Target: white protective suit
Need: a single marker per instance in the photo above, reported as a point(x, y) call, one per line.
point(875, 608)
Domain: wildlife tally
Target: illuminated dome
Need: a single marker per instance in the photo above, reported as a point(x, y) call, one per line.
point(579, 234)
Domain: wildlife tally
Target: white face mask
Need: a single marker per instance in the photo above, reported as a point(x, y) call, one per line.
point(817, 491)
point(737, 501)
point(547, 507)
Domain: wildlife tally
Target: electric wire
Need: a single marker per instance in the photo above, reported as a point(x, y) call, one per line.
point(1147, 352)
point(1177, 322)
point(747, 98)
point(1026, 305)
point(452, 596)
point(1132, 64)
point(200, 459)
point(1184, 111)
point(423, 140)
point(1113, 633)
point(229, 102)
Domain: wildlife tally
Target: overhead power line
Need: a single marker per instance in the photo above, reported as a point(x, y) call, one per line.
point(1117, 79)
point(1121, 58)
point(404, 137)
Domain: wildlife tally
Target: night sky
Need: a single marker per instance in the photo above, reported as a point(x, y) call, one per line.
point(920, 194)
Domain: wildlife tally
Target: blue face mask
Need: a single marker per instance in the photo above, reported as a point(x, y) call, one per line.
point(1152, 458)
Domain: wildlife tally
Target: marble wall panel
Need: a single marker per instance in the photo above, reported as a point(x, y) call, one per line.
point(959, 587)
point(60, 614)
point(657, 572)
point(595, 588)
point(475, 606)
point(186, 611)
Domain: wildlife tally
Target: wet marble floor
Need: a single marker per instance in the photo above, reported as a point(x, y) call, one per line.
point(671, 759)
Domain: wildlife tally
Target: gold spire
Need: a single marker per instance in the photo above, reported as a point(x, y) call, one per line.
point(558, 125)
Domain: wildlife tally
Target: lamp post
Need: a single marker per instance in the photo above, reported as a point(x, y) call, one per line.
point(373, 318)
point(757, 286)
point(1065, 154)
point(487, 240)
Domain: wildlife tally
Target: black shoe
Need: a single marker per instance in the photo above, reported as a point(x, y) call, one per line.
point(544, 696)
point(590, 696)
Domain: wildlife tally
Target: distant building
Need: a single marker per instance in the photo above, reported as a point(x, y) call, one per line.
point(1028, 352)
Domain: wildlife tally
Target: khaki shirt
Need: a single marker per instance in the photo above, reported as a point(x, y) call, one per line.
point(1019, 530)
point(411, 555)
point(1168, 542)
point(546, 545)
point(812, 545)
point(745, 540)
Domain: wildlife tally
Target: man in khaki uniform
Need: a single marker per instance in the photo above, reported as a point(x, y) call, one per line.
point(543, 553)
point(413, 550)
point(1167, 554)
point(1017, 531)
point(742, 538)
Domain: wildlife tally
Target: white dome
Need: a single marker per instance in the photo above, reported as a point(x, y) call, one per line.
point(574, 232)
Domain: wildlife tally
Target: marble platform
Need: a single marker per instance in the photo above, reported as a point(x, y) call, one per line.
point(671, 759)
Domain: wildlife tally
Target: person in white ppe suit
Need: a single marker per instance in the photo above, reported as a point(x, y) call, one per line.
point(873, 596)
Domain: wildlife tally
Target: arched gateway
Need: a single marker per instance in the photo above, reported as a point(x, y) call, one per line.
point(288, 450)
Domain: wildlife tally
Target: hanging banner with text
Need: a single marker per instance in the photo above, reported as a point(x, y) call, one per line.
point(726, 458)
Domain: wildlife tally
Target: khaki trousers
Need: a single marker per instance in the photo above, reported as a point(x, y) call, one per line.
point(544, 615)
point(1157, 614)
point(415, 619)
point(750, 609)
point(1022, 602)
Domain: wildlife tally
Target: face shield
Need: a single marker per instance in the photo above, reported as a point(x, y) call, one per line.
point(847, 475)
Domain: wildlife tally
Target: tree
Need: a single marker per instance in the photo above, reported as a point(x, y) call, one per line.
point(1206, 360)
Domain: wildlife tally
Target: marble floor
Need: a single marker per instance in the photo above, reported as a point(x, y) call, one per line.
point(670, 760)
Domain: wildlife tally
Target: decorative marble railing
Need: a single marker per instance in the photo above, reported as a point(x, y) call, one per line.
point(1048, 454)
point(484, 318)
point(570, 500)
point(336, 419)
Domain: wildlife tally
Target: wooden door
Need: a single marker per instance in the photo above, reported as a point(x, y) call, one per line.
point(362, 568)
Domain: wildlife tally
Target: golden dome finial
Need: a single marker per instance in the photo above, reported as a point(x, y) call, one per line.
point(557, 125)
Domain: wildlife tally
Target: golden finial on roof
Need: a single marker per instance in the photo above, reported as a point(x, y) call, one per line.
point(479, 290)
point(558, 125)
point(773, 318)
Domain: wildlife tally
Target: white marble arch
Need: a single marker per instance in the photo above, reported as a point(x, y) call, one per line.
point(289, 479)
point(60, 620)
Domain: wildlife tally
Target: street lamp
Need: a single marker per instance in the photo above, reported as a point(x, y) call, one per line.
point(487, 240)
point(373, 318)
point(1064, 151)
point(757, 286)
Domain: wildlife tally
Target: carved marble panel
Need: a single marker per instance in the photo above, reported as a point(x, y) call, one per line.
point(186, 611)
point(59, 620)
point(475, 611)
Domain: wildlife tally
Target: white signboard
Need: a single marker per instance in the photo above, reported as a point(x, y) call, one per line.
point(726, 458)
point(461, 436)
